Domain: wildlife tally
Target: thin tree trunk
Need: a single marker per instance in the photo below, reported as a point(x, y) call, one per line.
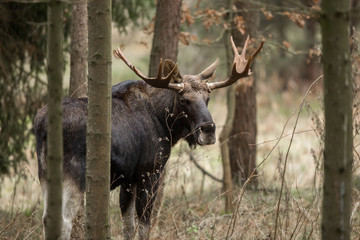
point(166, 33)
point(225, 133)
point(338, 92)
point(78, 50)
point(98, 132)
point(243, 133)
point(54, 132)
point(78, 79)
point(239, 135)
point(165, 46)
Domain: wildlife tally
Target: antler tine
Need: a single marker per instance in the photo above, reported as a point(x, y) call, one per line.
point(241, 66)
point(236, 53)
point(118, 54)
point(252, 57)
point(157, 81)
point(160, 69)
point(243, 53)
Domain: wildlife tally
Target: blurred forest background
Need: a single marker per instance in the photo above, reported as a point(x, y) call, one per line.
point(289, 121)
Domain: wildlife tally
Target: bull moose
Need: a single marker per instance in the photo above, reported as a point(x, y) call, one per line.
point(148, 118)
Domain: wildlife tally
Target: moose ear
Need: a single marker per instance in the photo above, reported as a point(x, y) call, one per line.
point(168, 67)
point(209, 71)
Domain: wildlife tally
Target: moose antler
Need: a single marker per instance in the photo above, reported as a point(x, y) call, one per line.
point(158, 81)
point(241, 67)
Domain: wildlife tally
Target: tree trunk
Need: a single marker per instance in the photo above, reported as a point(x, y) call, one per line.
point(78, 80)
point(165, 46)
point(54, 132)
point(78, 50)
point(98, 132)
point(242, 136)
point(225, 133)
point(338, 92)
point(166, 33)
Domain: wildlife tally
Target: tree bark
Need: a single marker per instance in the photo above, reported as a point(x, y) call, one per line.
point(78, 79)
point(98, 132)
point(166, 33)
point(225, 133)
point(241, 137)
point(78, 50)
point(338, 93)
point(54, 173)
point(165, 46)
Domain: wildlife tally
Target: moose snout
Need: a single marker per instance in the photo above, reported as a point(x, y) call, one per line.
point(206, 134)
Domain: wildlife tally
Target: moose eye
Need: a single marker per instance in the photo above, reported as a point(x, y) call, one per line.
point(207, 101)
point(184, 101)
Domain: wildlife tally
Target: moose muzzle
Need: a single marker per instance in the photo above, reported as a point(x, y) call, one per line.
point(206, 133)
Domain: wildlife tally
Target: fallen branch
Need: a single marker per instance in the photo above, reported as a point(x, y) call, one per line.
point(203, 170)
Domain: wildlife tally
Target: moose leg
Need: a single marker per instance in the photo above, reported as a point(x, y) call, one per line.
point(145, 197)
point(71, 201)
point(45, 196)
point(127, 206)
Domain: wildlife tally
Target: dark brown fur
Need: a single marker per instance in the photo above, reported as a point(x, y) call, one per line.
point(146, 123)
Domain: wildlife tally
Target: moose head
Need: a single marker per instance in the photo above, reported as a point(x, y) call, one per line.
point(193, 91)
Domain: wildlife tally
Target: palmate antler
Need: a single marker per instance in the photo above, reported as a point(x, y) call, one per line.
point(241, 67)
point(158, 81)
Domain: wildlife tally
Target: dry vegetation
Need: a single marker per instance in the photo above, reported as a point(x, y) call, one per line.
point(193, 203)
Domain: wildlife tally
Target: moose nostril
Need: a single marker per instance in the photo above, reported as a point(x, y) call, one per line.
point(208, 127)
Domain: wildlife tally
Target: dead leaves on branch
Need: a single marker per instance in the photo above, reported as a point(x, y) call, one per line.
point(239, 24)
point(314, 53)
point(186, 16)
point(286, 44)
point(267, 14)
point(185, 38)
point(297, 18)
point(210, 17)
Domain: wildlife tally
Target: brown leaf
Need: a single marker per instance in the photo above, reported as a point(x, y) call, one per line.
point(296, 18)
point(149, 29)
point(314, 52)
point(207, 41)
point(240, 24)
point(186, 16)
point(144, 44)
point(193, 37)
point(286, 44)
point(268, 15)
point(185, 38)
point(210, 17)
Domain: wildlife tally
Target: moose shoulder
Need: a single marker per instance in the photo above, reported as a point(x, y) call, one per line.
point(148, 118)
